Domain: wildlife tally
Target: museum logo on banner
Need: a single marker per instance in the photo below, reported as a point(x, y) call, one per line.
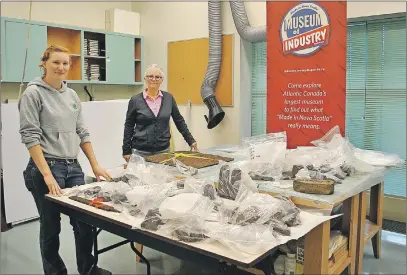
point(305, 29)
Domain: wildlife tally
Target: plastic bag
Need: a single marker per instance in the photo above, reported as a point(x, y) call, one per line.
point(184, 214)
point(260, 139)
point(268, 151)
point(136, 163)
point(377, 158)
point(251, 239)
point(184, 169)
point(327, 137)
point(234, 181)
point(203, 187)
point(186, 205)
point(155, 194)
point(190, 231)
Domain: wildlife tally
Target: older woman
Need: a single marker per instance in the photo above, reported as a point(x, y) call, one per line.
point(147, 126)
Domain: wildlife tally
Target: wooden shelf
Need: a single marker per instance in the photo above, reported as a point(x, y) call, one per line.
point(75, 69)
point(340, 258)
point(67, 38)
point(137, 48)
point(97, 39)
point(100, 68)
point(370, 230)
point(95, 57)
point(137, 65)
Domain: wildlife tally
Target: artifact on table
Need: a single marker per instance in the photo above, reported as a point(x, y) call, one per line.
point(95, 203)
point(190, 237)
point(229, 181)
point(126, 177)
point(279, 227)
point(348, 169)
point(118, 197)
point(247, 216)
point(288, 212)
point(257, 176)
point(184, 169)
point(188, 158)
point(90, 192)
point(279, 213)
point(314, 186)
point(209, 191)
point(152, 220)
point(295, 170)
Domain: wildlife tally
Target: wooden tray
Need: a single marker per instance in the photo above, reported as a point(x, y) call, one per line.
point(193, 159)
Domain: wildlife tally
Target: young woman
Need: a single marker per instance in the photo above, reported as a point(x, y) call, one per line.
point(147, 126)
point(50, 124)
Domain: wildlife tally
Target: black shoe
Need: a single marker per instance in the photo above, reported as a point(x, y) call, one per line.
point(100, 271)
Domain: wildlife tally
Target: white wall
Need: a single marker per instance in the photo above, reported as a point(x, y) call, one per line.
point(360, 9)
point(80, 14)
point(172, 21)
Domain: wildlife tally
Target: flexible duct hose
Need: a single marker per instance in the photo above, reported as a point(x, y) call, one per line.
point(216, 114)
point(247, 32)
point(215, 49)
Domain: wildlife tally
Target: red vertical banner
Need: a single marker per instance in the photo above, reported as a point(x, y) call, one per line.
point(306, 69)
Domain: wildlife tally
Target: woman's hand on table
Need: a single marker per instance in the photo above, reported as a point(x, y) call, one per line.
point(53, 186)
point(126, 158)
point(194, 147)
point(101, 172)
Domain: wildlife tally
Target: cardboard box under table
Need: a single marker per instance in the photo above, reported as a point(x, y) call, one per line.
point(352, 193)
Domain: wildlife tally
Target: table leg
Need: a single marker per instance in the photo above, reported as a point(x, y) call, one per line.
point(376, 216)
point(316, 248)
point(139, 247)
point(361, 232)
point(95, 248)
point(350, 228)
point(138, 253)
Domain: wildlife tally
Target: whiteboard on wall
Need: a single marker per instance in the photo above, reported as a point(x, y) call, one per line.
point(105, 121)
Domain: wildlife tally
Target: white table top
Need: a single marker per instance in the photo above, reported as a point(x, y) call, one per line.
point(309, 221)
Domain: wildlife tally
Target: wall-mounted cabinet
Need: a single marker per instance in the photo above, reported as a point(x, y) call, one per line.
point(96, 56)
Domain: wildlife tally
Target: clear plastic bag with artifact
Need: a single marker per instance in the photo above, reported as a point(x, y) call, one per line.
point(234, 181)
point(266, 154)
point(183, 215)
point(252, 221)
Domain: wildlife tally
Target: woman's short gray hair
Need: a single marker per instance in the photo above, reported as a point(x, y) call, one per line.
point(154, 66)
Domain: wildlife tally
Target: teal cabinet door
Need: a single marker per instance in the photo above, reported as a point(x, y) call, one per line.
point(119, 59)
point(16, 35)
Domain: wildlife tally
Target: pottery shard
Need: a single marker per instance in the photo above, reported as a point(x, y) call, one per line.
point(229, 180)
point(257, 176)
point(185, 236)
point(248, 216)
point(322, 187)
point(92, 191)
point(348, 169)
point(209, 191)
point(152, 221)
point(118, 198)
point(295, 170)
point(280, 227)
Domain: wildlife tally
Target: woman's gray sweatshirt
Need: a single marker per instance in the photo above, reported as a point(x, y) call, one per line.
point(53, 119)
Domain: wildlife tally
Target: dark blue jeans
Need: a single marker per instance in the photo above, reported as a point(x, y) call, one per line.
point(67, 174)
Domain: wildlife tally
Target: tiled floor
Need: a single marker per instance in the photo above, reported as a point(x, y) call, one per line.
point(20, 254)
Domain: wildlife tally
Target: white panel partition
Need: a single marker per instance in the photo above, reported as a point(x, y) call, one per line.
point(105, 121)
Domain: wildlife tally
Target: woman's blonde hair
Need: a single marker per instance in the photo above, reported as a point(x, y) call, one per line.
point(46, 54)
